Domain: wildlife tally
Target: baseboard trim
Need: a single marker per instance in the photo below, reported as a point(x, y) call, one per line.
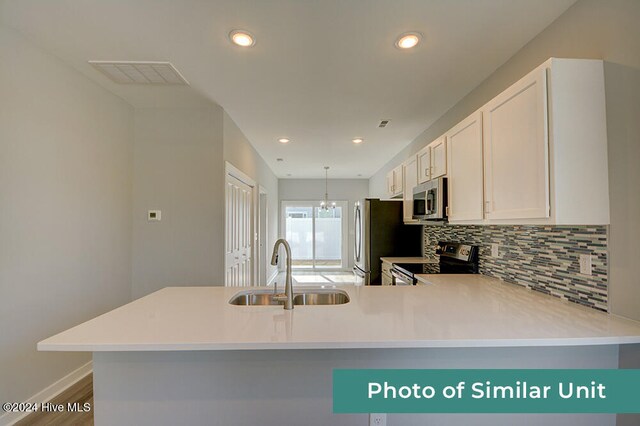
point(50, 392)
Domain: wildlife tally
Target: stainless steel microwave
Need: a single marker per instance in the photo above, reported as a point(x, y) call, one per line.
point(430, 200)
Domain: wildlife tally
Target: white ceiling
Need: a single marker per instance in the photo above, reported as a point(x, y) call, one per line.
point(321, 73)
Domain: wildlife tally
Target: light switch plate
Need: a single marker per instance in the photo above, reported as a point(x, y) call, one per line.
point(585, 264)
point(495, 250)
point(154, 215)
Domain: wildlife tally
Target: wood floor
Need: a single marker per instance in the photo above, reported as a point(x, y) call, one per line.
point(81, 393)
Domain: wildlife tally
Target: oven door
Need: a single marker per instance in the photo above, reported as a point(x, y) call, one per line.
point(401, 279)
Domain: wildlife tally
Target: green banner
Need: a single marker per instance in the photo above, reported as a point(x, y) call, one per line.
point(486, 391)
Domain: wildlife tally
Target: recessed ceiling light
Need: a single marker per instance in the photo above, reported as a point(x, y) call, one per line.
point(357, 140)
point(242, 38)
point(284, 140)
point(408, 40)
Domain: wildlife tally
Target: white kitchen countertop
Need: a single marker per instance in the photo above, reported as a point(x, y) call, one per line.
point(452, 311)
point(408, 260)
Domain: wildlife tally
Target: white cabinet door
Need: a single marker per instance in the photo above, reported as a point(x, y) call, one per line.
point(516, 151)
point(398, 180)
point(465, 183)
point(390, 184)
point(395, 181)
point(387, 279)
point(410, 181)
point(424, 164)
point(438, 157)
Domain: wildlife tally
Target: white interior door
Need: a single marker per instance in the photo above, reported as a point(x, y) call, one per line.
point(239, 233)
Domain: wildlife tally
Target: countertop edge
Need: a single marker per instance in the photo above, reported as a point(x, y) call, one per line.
point(441, 344)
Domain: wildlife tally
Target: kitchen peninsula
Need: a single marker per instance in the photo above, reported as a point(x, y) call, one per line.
point(185, 355)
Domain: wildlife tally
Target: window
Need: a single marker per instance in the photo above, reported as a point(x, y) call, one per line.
point(318, 238)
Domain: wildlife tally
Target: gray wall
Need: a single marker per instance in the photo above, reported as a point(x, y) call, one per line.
point(350, 190)
point(239, 152)
point(589, 29)
point(178, 169)
point(65, 210)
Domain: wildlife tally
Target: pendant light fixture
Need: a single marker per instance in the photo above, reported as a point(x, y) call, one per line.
point(325, 204)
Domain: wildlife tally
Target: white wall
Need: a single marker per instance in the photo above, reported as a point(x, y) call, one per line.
point(239, 152)
point(65, 210)
point(178, 169)
point(294, 387)
point(350, 190)
point(589, 29)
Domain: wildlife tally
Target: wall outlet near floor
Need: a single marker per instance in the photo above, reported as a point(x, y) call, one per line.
point(154, 215)
point(585, 264)
point(377, 419)
point(495, 250)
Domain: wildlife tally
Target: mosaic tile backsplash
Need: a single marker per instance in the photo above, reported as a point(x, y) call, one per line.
point(543, 258)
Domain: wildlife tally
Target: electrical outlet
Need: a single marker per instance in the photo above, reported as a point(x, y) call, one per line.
point(585, 264)
point(154, 215)
point(377, 419)
point(495, 250)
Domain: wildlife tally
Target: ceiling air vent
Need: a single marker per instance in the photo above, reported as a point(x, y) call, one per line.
point(131, 72)
point(383, 123)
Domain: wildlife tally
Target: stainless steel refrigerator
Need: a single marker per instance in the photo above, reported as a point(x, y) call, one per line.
point(380, 232)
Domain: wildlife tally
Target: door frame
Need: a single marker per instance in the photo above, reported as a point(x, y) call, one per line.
point(233, 171)
point(262, 243)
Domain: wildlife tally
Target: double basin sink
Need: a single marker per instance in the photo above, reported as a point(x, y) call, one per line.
point(303, 297)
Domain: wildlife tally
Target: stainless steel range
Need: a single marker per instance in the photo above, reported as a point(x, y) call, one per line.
point(454, 258)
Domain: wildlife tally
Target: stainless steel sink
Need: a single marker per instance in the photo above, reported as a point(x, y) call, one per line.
point(304, 297)
point(254, 299)
point(328, 298)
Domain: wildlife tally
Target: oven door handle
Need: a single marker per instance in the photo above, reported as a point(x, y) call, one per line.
point(398, 275)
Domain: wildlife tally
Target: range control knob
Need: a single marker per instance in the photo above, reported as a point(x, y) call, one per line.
point(464, 252)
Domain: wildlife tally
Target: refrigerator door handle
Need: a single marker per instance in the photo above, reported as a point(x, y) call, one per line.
point(358, 231)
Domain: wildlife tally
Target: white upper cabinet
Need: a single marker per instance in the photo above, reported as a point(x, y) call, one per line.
point(438, 157)
point(390, 184)
point(410, 181)
point(535, 154)
point(432, 160)
point(516, 151)
point(465, 170)
point(579, 171)
point(424, 164)
point(545, 147)
point(395, 181)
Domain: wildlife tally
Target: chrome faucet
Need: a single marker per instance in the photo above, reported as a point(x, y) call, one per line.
point(287, 296)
